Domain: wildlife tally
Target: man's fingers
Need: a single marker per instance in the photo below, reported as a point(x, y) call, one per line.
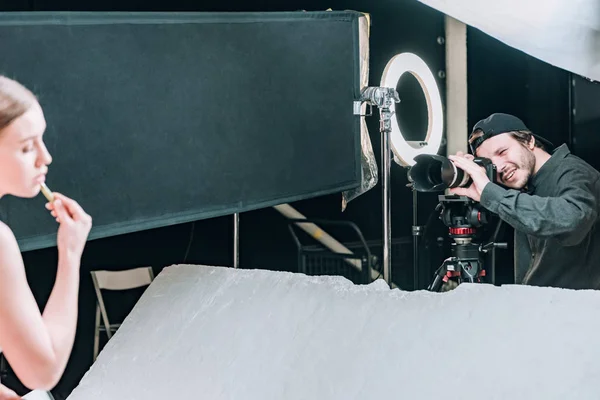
point(464, 164)
point(459, 161)
point(468, 192)
point(463, 155)
point(459, 191)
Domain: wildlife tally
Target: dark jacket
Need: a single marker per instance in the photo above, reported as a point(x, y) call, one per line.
point(556, 222)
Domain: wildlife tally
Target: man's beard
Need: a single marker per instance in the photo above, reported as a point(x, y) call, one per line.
point(527, 164)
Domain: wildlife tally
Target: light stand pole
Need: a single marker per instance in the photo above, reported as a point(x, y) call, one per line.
point(384, 98)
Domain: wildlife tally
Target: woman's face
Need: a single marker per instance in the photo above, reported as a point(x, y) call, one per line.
point(24, 158)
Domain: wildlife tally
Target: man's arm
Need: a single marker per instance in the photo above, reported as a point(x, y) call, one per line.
point(567, 217)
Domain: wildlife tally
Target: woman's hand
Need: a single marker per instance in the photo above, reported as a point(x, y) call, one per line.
point(7, 394)
point(75, 225)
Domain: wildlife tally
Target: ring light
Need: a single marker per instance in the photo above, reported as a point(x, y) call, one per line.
point(407, 62)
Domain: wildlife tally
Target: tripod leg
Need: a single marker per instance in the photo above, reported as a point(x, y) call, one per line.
point(438, 279)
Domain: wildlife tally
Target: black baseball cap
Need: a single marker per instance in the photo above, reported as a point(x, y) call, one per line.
point(499, 123)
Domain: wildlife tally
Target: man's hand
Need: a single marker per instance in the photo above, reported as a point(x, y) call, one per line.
point(477, 173)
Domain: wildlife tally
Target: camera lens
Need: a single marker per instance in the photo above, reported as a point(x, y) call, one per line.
point(454, 176)
point(433, 173)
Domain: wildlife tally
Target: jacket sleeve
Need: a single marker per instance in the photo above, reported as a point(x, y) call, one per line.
point(567, 217)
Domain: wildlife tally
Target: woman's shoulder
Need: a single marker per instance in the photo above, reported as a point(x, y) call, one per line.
point(5, 233)
point(7, 238)
point(10, 254)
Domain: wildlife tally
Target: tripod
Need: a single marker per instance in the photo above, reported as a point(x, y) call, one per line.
point(463, 217)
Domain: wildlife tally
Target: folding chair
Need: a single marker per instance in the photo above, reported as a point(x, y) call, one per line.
point(115, 281)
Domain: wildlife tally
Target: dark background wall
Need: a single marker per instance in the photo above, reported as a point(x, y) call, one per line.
point(500, 79)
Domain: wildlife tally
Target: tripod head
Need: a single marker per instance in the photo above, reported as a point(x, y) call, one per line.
point(462, 216)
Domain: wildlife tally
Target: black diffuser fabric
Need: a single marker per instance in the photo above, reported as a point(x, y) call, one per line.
point(157, 119)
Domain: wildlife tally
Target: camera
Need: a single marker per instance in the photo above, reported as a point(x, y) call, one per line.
point(434, 173)
point(462, 216)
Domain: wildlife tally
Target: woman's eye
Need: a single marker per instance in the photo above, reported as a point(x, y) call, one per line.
point(27, 149)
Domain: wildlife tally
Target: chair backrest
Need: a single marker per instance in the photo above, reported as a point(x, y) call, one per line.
point(119, 280)
point(123, 280)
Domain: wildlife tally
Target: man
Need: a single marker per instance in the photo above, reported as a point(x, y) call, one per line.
point(549, 196)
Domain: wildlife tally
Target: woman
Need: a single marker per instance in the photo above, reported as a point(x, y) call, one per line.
point(36, 345)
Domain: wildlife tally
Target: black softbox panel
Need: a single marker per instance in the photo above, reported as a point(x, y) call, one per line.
point(162, 118)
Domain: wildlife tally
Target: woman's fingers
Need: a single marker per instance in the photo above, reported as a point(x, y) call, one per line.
point(72, 207)
point(64, 208)
point(60, 211)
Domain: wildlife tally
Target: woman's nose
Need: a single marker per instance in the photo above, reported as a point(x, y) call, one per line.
point(48, 158)
point(44, 156)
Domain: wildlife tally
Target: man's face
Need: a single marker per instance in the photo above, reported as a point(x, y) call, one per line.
point(515, 161)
